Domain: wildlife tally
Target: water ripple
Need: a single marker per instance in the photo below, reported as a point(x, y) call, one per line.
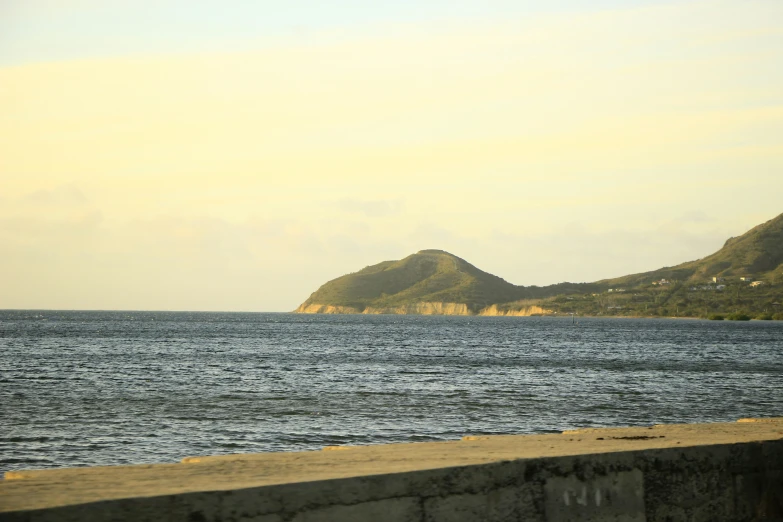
point(100, 388)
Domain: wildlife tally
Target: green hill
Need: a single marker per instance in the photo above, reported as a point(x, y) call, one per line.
point(431, 276)
point(757, 253)
point(434, 281)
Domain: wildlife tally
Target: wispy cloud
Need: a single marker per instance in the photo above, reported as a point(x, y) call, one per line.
point(371, 207)
point(61, 195)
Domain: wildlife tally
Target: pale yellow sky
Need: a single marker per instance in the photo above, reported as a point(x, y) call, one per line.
point(551, 147)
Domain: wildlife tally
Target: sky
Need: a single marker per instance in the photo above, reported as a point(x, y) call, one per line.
point(235, 155)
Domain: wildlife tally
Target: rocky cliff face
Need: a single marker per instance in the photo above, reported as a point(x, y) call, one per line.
point(424, 309)
point(409, 309)
point(526, 311)
point(325, 309)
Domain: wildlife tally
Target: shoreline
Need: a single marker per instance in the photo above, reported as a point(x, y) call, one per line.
point(331, 476)
point(551, 316)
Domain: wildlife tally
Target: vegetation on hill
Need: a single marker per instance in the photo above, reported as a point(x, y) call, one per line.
point(676, 300)
point(427, 276)
point(757, 253)
point(742, 280)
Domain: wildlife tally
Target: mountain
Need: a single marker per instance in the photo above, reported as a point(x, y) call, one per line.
point(437, 282)
point(432, 279)
point(757, 253)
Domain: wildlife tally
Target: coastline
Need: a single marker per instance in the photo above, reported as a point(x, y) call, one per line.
point(374, 311)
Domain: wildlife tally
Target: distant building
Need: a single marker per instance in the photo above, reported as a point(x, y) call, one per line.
point(662, 282)
point(756, 283)
point(720, 287)
point(746, 279)
point(718, 279)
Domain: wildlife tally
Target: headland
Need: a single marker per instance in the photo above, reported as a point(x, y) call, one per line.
point(741, 281)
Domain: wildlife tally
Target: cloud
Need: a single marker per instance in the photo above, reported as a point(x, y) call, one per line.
point(694, 216)
point(63, 195)
point(372, 208)
point(55, 218)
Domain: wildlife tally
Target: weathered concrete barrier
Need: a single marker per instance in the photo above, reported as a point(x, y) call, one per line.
point(701, 472)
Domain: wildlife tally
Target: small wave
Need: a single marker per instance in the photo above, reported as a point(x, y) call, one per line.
point(365, 393)
point(29, 439)
point(196, 418)
point(23, 460)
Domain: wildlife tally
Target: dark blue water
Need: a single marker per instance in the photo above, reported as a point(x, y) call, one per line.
point(90, 388)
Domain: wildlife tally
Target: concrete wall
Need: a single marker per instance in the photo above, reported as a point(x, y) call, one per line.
point(724, 482)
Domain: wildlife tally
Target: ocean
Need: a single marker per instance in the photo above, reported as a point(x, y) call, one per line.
point(105, 388)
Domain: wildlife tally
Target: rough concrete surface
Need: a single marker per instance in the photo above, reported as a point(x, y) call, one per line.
point(668, 473)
